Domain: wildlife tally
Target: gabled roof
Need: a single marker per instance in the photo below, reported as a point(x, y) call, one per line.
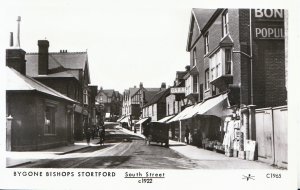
point(149, 95)
point(109, 92)
point(180, 74)
point(133, 91)
point(201, 18)
point(18, 82)
point(160, 96)
point(63, 61)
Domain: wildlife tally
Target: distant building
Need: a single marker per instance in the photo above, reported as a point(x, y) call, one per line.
point(111, 101)
point(68, 73)
point(134, 100)
point(156, 107)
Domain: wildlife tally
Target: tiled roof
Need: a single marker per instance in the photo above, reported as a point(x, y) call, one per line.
point(67, 60)
point(66, 74)
point(18, 82)
point(202, 16)
point(180, 74)
point(133, 91)
point(160, 96)
point(109, 92)
point(149, 95)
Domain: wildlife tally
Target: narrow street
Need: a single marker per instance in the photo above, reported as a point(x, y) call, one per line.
point(125, 150)
point(121, 150)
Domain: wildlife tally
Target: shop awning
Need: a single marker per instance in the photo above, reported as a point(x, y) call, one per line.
point(181, 114)
point(141, 121)
point(125, 120)
point(165, 119)
point(120, 118)
point(217, 106)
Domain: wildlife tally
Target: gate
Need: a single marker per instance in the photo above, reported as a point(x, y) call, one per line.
point(271, 135)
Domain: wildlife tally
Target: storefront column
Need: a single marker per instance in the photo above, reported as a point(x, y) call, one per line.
point(179, 130)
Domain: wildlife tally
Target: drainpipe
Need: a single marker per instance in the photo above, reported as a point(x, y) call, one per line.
point(251, 58)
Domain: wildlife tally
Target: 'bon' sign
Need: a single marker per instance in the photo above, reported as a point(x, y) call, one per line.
point(268, 23)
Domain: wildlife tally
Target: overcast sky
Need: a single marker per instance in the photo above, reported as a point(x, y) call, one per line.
point(128, 42)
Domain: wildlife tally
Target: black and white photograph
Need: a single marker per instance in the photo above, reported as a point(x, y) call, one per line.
point(149, 94)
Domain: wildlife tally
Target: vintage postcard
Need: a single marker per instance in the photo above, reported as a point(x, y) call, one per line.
point(149, 94)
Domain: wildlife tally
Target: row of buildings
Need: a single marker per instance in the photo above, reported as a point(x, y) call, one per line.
point(234, 90)
point(49, 99)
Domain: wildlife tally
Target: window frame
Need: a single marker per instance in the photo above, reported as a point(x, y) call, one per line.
point(51, 106)
point(226, 62)
point(85, 97)
point(225, 23)
point(206, 43)
point(206, 74)
point(194, 56)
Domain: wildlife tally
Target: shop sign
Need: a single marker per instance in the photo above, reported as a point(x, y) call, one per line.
point(268, 24)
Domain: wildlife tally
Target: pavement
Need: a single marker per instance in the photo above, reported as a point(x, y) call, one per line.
point(216, 160)
point(17, 158)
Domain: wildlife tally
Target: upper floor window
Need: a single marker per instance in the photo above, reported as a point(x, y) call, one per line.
point(225, 23)
point(85, 97)
point(228, 62)
point(206, 44)
point(195, 84)
point(194, 57)
point(206, 79)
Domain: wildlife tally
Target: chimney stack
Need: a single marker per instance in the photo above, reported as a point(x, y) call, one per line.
point(11, 39)
point(141, 85)
point(163, 85)
point(43, 58)
point(15, 56)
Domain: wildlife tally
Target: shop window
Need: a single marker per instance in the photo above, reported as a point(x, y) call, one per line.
point(225, 25)
point(206, 44)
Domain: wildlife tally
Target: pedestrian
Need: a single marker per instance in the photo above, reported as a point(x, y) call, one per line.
point(102, 135)
point(187, 135)
point(88, 135)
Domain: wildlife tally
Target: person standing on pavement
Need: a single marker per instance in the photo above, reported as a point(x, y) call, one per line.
point(187, 135)
point(88, 135)
point(102, 135)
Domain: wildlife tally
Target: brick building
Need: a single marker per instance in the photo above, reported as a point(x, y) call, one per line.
point(225, 54)
point(39, 116)
point(237, 59)
point(68, 73)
